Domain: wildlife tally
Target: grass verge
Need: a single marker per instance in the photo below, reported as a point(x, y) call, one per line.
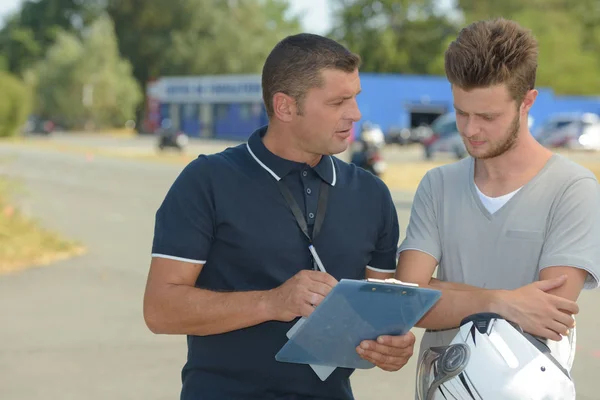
point(23, 243)
point(406, 176)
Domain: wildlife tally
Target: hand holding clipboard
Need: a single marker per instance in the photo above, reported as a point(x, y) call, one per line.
point(355, 310)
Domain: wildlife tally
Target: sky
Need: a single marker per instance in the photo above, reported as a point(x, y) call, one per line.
point(8, 7)
point(317, 15)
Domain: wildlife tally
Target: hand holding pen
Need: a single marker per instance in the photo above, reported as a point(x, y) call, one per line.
point(300, 294)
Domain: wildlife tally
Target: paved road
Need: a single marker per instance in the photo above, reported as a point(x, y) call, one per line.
point(74, 330)
point(145, 144)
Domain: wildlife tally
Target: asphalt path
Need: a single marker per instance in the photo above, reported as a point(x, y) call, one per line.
point(74, 329)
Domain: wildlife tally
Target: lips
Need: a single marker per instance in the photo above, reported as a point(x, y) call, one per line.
point(476, 142)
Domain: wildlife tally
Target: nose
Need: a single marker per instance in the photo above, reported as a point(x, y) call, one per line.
point(469, 128)
point(354, 113)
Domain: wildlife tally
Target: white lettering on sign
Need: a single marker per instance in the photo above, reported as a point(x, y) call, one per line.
point(208, 89)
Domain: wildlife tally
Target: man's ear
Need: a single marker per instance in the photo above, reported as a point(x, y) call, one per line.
point(528, 100)
point(284, 107)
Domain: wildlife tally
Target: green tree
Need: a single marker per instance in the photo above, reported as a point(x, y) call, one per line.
point(233, 37)
point(27, 34)
point(568, 33)
point(85, 81)
point(18, 46)
point(179, 37)
point(403, 36)
point(564, 64)
point(15, 104)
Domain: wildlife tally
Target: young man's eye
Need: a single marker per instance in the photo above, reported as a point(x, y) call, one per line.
point(488, 118)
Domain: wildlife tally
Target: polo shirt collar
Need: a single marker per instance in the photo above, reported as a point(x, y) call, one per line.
point(279, 167)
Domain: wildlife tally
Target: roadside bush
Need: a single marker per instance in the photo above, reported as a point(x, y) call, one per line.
point(15, 104)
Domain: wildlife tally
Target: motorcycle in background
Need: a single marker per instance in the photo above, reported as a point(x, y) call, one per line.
point(367, 150)
point(169, 137)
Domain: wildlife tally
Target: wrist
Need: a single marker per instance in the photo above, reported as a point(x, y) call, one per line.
point(265, 305)
point(497, 302)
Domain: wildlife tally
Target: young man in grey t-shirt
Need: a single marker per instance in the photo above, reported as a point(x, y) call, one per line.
point(514, 229)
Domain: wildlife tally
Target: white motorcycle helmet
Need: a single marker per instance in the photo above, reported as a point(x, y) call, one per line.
point(492, 359)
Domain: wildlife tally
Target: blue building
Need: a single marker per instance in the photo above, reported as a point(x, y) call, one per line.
point(230, 106)
point(227, 106)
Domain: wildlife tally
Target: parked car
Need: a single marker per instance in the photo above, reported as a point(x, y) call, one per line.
point(444, 138)
point(38, 126)
point(406, 136)
point(571, 131)
point(396, 135)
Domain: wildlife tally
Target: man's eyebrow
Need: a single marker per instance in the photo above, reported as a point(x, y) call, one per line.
point(479, 114)
point(349, 96)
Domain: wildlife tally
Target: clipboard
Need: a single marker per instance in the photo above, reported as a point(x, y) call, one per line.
point(356, 310)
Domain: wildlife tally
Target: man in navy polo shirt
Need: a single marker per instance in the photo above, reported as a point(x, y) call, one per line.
point(231, 266)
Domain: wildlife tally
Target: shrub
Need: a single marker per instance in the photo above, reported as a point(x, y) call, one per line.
point(15, 104)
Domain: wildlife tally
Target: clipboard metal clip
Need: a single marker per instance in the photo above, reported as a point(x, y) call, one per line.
point(392, 281)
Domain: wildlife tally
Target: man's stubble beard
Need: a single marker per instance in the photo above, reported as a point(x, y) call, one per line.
point(500, 148)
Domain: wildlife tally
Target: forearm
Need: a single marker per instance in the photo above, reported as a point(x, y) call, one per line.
point(437, 284)
point(457, 301)
point(186, 310)
point(455, 305)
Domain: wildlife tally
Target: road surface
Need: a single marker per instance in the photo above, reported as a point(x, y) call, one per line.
point(74, 330)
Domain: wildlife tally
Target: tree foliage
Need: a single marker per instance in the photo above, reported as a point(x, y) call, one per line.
point(15, 104)
point(69, 50)
point(394, 36)
point(568, 33)
point(85, 81)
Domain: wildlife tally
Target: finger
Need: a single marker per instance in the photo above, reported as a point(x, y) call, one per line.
point(373, 356)
point(389, 367)
point(543, 332)
point(323, 277)
point(549, 284)
point(383, 366)
point(558, 328)
point(386, 350)
point(567, 305)
point(407, 340)
point(550, 334)
point(564, 318)
point(381, 359)
point(314, 299)
point(318, 287)
point(306, 309)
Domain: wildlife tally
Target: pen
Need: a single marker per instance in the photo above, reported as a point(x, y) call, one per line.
point(313, 251)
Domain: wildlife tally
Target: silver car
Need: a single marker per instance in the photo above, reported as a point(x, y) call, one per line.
point(444, 138)
point(571, 131)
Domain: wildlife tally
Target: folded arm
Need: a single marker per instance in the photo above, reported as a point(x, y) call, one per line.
point(457, 301)
point(543, 308)
point(571, 289)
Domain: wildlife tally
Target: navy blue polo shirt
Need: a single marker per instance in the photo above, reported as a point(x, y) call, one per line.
point(225, 210)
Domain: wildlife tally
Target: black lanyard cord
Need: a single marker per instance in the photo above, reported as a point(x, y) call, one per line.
point(295, 208)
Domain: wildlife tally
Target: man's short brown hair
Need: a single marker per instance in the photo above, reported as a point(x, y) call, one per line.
point(294, 66)
point(493, 52)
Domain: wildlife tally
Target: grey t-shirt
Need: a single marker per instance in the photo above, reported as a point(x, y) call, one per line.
point(554, 220)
